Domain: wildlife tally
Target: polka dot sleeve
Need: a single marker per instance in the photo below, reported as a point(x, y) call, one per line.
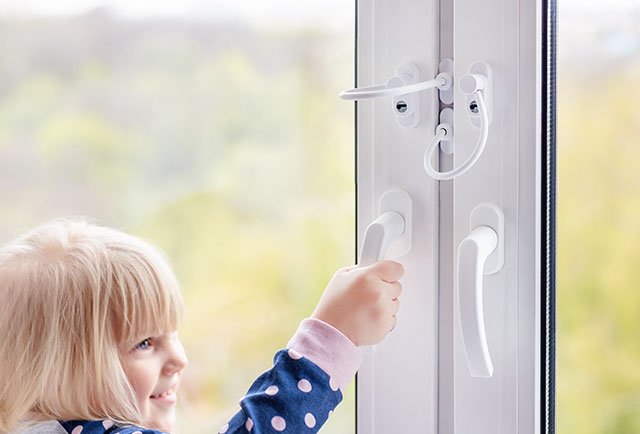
point(295, 396)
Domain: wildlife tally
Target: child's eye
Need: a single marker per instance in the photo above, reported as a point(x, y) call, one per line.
point(144, 345)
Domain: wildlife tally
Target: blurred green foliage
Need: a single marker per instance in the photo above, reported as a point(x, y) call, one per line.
point(598, 379)
point(225, 146)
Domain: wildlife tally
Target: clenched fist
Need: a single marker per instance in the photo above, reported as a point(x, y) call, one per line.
point(362, 302)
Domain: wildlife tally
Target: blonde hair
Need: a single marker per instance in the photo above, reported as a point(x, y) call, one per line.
point(71, 293)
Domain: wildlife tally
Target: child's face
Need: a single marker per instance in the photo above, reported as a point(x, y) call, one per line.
point(154, 367)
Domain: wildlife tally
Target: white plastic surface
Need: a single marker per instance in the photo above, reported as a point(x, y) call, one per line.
point(472, 255)
point(480, 253)
point(378, 235)
point(407, 74)
point(405, 86)
point(489, 214)
point(446, 121)
point(471, 160)
point(419, 380)
point(446, 95)
point(398, 200)
point(389, 235)
point(480, 78)
point(397, 388)
point(393, 88)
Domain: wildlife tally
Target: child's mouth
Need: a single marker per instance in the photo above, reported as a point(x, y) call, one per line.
point(168, 397)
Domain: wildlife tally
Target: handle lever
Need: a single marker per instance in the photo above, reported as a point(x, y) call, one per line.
point(472, 254)
point(480, 253)
point(378, 235)
point(389, 234)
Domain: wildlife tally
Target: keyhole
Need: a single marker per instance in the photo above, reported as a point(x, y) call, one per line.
point(401, 106)
point(473, 106)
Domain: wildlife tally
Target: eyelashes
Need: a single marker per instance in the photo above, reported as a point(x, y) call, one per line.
point(144, 345)
point(159, 340)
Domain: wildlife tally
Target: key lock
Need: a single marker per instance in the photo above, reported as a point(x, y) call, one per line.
point(482, 251)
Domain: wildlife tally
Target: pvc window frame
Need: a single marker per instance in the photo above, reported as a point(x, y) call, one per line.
point(415, 382)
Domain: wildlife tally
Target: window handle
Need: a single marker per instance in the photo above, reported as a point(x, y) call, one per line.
point(389, 234)
point(480, 253)
point(378, 235)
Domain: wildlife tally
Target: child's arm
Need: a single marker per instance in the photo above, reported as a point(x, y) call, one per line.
point(306, 382)
point(296, 395)
point(301, 390)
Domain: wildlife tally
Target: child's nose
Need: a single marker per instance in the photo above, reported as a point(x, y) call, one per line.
point(177, 359)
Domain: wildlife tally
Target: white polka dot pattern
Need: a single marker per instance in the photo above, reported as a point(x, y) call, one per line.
point(278, 423)
point(333, 384)
point(107, 424)
point(304, 385)
point(271, 390)
point(277, 407)
point(77, 430)
point(309, 420)
point(294, 355)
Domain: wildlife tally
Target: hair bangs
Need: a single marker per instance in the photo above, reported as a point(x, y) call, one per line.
point(71, 295)
point(148, 299)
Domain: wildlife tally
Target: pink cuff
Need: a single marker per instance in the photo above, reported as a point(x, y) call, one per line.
point(328, 348)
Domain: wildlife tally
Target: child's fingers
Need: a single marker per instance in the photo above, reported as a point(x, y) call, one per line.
point(395, 306)
point(389, 271)
point(393, 321)
point(394, 289)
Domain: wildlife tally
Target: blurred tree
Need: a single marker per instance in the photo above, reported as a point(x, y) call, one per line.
point(598, 256)
point(224, 145)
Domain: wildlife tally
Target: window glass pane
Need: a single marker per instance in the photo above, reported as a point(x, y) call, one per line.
point(598, 381)
point(212, 129)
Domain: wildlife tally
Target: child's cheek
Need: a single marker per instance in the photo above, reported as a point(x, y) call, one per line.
point(143, 379)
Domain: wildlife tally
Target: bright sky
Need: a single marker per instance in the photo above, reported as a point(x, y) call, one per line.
point(331, 13)
point(246, 8)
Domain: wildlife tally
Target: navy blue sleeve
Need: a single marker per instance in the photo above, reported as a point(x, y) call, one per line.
point(103, 427)
point(295, 396)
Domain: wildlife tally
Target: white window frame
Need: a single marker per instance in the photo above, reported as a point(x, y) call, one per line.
point(418, 379)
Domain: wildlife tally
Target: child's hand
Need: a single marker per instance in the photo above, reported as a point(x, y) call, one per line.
point(362, 302)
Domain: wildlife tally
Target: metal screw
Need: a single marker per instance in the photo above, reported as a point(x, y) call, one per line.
point(401, 106)
point(473, 106)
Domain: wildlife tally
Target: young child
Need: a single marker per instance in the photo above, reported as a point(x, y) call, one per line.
point(88, 320)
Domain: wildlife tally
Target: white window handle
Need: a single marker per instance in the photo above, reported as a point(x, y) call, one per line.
point(480, 253)
point(378, 235)
point(393, 224)
point(472, 254)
